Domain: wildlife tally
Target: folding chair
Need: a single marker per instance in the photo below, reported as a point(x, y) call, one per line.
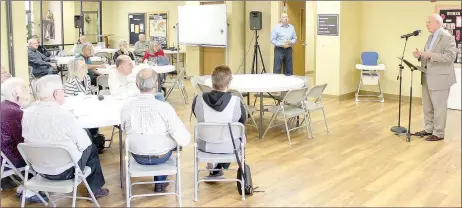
point(312, 106)
point(249, 109)
point(291, 106)
point(216, 133)
point(134, 169)
point(177, 83)
point(194, 81)
point(204, 88)
point(42, 157)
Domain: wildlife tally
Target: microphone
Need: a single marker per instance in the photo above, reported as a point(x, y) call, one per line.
point(415, 33)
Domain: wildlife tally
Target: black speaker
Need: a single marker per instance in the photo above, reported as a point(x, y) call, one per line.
point(255, 20)
point(78, 21)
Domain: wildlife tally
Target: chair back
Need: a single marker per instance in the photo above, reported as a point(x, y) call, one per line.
point(295, 97)
point(237, 93)
point(194, 81)
point(219, 133)
point(369, 58)
point(103, 81)
point(204, 88)
point(43, 157)
point(317, 91)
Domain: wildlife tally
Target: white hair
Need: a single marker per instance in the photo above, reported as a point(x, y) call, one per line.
point(88, 45)
point(438, 18)
point(11, 85)
point(47, 85)
point(30, 41)
point(74, 66)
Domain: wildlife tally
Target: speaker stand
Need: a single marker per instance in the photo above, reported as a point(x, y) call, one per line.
point(256, 53)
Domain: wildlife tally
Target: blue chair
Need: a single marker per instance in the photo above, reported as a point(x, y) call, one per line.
point(370, 73)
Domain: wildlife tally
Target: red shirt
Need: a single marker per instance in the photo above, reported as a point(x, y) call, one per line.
point(147, 55)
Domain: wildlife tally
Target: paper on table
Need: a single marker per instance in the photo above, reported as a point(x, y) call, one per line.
point(132, 28)
point(137, 29)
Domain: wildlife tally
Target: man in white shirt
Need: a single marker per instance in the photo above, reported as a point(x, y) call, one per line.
point(47, 123)
point(148, 118)
point(121, 81)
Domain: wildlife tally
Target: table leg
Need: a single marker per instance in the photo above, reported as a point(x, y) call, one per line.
point(261, 116)
point(120, 158)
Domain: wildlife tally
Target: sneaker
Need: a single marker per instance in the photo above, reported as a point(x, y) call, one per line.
point(36, 199)
point(101, 193)
point(215, 176)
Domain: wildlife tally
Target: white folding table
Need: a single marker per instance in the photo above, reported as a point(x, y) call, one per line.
point(262, 83)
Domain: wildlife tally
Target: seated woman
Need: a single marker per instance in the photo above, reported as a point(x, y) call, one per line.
point(16, 97)
point(78, 82)
point(77, 49)
point(156, 55)
point(87, 53)
point(123, 50)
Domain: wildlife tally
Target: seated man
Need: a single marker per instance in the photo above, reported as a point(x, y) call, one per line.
point(141, 46)
point(41, 65)
point(62, 129)
point(219, 106)
point(16, 97)
point(122, 80)
point(149, 116)
point(87, 53)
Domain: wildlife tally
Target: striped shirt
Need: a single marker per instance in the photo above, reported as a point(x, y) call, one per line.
point(73, 86)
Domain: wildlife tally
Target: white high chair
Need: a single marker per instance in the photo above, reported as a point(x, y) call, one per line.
point(370, 74)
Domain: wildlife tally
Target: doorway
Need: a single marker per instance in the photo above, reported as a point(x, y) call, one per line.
point(296, 12)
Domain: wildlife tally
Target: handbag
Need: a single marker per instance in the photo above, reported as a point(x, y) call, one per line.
point(242, 172)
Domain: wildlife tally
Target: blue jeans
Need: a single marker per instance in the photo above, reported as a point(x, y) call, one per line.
point(153, 160)
point(283, 56)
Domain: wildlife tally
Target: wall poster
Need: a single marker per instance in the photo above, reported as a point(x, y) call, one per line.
point(136, 22)
point(452, 22)
point(158, 27)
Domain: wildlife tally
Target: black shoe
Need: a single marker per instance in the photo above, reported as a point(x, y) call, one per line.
point(160, 187)
point(422, 133)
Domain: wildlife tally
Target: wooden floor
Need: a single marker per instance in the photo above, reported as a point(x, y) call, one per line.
point(358, 163)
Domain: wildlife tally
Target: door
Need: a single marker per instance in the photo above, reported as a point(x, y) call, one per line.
point(296, 13)
point(212, 56)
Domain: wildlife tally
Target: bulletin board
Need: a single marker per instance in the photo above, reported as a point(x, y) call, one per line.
point(158, 27)
point(136, 26)
point(452, 22)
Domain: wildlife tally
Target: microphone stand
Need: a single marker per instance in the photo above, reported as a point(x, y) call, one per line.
point(399, 129)
point(413, 68)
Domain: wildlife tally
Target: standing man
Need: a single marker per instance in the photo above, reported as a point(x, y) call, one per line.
point(283, 37)
point(437, 61)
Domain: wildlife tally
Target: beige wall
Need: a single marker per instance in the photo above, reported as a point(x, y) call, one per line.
point(115, 16)
point(19, 31)
point(4, 36)
point(350, 15)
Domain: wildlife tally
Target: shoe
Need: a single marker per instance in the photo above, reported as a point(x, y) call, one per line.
point(160, 187)
point(215, 176)
point(433, 138)
point(36, 199)
point(422, 133)
point(101, 193)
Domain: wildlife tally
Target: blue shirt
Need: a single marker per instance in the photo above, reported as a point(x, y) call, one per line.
point(435, 35)
point(282, 33)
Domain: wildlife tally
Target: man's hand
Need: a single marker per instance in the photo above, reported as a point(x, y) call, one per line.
point(426, 54)
point(417, 53)
point(53, 65)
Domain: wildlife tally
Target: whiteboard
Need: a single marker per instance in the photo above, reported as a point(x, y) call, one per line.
point(202, 25)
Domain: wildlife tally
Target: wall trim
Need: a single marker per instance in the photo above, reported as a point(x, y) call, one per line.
point(387, 96)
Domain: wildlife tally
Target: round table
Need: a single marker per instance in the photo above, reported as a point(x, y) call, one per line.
point(262, 83)
point(64, 60)
point(139, 67)
point(94, 113)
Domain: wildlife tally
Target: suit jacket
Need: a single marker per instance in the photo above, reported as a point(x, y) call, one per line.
point(438, 71)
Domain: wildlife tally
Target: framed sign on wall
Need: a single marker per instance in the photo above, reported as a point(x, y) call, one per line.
point(137, 26)
point(452, 22)
point(158, 27)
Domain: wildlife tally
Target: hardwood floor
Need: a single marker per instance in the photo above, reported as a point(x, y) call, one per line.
point(358, 163)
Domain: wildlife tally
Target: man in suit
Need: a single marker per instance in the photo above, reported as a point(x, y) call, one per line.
point(437, 61)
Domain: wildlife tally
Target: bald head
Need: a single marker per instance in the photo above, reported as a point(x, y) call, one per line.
point(142, 37)
point(284, 19)
point(146, 80)
point(124, 65)
point(434, 22)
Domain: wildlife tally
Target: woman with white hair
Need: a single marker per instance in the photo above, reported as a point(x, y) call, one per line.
point(123, 50)
point(78, 81)
point(16, 97)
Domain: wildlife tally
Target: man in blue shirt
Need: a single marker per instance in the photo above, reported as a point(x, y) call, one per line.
point(283, 37)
